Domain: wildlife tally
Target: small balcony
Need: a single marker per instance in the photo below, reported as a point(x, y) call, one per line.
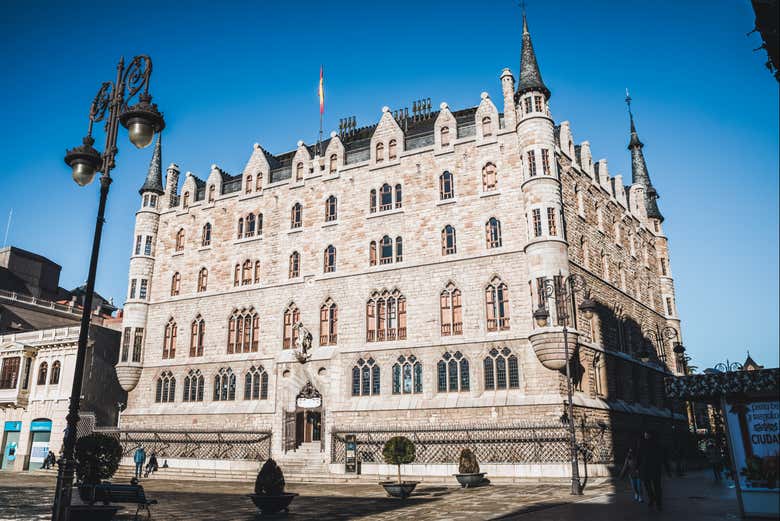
point(14, 398)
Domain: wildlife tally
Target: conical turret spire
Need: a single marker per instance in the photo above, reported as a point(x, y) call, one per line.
point(530, 77)
point(153, 181)
point(639, 173)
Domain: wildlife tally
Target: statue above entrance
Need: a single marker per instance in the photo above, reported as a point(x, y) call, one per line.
point(302, 342)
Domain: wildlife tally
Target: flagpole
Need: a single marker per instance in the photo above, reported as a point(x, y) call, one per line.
point(321, 93)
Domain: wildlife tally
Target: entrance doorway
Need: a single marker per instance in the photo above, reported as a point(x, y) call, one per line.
point(308, 426)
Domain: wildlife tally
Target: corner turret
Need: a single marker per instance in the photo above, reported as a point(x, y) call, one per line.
point(639, 173)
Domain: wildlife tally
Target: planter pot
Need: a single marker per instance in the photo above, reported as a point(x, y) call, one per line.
point(91, 512)
point(273, 504)
point(470, 480)
point(402, 490)
point(93, 494)
point(550, 349)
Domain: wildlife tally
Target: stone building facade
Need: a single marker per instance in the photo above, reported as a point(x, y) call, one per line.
point(412, 250)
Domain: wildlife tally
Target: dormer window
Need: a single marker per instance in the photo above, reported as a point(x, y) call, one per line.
point(299, 172)
point(212, 192)
point(334, 161)
point(380, 152)
point(445, 136)
point(185, 202)
point(391, 150)
point(259, 182)
point(487, 128)
point(248, 188)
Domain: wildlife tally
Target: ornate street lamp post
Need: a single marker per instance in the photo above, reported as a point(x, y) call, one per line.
point(566, 290)
point(142, 121)
point(659, 336)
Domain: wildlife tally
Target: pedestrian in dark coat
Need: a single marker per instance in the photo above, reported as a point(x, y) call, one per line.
point(631, 467)
point(651, 464)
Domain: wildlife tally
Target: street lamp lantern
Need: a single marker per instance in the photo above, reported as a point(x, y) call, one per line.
point(541, 315)
point(588, 307)
point(644, 355)
point(84, 160)
point(142, 121)
point(679, 349)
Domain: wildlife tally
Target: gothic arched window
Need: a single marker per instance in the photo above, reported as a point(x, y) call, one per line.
point(372, 253)
point(212, 193)
point(243, 331)
point(250, 225)
point(203, 279)
point(391, 149)
point(256, 384)
point(487, 128)
point(498, 365)
point(329, 261)
point(493, 233)
point(193, 386)
point(295, 265)
point(248, 184)
point(246, 273)
point(444, 134)
point(54, 379)
point(240, 231)
point(299, 172)
point(329, 317)
point(224, 385)
point(43, 370)
point(291, 317)
point(333, 163)
point(497, 305)
point(407, 375)
point(257, 272)
point(385, 198)
point(169, 339)
point(398, 196)
point(180, 240)
point(489, 178)
point(446, 186)
point(451, 311)
point(448, 244)
point(372, 201)
point(206, 236)
point(197, 332)
point(452, 373)
point(331, 209)
point(386, 316)
point(365, 378)
point(296, 216)
point(386, 250)
point(175, 284)
point(380, 152)
point(166, 388)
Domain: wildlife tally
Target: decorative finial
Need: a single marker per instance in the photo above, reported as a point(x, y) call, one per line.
point(525, 23)
point(628, 100)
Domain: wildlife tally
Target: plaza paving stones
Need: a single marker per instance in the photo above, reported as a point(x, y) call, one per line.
point(27, 497)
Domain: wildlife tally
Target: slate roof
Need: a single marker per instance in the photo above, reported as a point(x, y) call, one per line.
point(530, 77)
point(153, 182)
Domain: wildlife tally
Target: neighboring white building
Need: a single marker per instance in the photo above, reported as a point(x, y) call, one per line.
point(412, 249)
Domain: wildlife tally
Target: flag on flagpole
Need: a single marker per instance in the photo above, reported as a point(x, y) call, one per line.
point(322, 92)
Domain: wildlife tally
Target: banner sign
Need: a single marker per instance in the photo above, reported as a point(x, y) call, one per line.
point(754, 428)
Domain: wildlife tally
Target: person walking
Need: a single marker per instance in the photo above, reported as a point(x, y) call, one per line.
point(651, 463)
point(139, 458)
point(152, 466)
point(715, 459)
point(631, 467)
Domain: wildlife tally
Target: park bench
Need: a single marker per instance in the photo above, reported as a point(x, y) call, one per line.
point(115, 493)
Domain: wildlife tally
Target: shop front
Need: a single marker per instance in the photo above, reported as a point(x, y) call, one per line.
point(40, 434)
point(11, 431)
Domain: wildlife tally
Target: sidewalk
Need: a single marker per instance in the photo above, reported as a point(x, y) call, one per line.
point(695, 497)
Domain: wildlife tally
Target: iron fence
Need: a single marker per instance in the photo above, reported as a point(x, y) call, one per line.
point(231, 445)
point(516, 443)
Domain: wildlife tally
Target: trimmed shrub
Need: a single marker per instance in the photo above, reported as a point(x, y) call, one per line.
point(467, 463)
point(270, 480)
point(97, 458)
point(398, 450)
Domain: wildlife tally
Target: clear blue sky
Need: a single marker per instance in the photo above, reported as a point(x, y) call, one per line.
point(230, 74)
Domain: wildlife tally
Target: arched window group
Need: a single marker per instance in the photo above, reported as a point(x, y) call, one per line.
point(407, 375)
point(451, 311)
point(256, 384)
point(501, 370)
point(292, 315)
point(250, 225)
point(203, 279)
point(246, 273)
point(497, 305)
point(493, 233)
point(386, 316)
point(243, 331)
point(224, 385)
point(331, 209)
point(448, 242)
point(197, 334)
point(388, 198)
point(489, 178)
point(384, 254)
point(452, 373)
point(329, 260)
point(446, 186)
point(166, 388)
point(193, 386)
point(329, 317)
point(169, 339)
point(296, 216)
point(365, 378)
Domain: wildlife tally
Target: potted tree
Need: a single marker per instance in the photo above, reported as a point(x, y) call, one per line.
point(97, 458)
point(269, 496)
point(468, 469)
point(399, 451)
